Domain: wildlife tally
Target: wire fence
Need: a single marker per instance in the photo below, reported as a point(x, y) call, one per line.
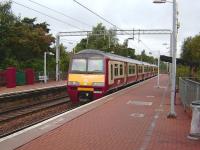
point(189, 91)
point(51, 76)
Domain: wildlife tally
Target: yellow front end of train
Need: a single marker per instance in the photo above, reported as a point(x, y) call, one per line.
point(86, 78)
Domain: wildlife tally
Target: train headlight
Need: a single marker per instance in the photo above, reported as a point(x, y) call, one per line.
point(75, 83)
point(98, 84)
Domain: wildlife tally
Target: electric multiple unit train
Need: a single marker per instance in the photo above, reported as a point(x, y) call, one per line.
point(94, 73)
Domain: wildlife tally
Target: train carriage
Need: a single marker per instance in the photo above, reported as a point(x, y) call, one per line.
point(93, 73)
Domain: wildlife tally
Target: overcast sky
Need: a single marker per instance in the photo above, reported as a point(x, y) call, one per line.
point(125, 14)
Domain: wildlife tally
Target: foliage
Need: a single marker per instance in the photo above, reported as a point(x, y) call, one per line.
point(182, 71)
point(95, 41)
point(64, 59)
point(23, 42)
point(191, 52)
point(191, 49)
point(146, 58)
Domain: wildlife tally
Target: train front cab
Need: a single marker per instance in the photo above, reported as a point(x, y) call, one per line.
point(86, 78)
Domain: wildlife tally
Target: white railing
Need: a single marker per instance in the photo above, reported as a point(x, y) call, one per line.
point(189, 91)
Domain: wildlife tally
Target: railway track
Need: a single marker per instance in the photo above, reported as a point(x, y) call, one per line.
point(19, 113)
point(21, 110)
point(24, 110)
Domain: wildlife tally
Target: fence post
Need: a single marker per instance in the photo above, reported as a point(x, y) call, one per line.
point(197, 96)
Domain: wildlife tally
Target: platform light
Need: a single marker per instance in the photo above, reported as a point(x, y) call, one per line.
point(159, 1)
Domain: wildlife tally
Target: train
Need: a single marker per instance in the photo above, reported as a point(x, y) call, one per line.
point(94, 73)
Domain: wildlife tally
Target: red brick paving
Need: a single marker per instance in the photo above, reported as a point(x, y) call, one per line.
point(111, 125)
point(4, 90)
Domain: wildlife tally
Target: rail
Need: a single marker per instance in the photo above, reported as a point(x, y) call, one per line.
point(189, 91)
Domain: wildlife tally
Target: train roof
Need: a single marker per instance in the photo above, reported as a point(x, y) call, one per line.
point(113, 56)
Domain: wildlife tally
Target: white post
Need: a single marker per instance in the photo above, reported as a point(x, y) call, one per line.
point(158, 79)
point(172, 113)
point(57, 57)
point(45, 67)
point(171, 47)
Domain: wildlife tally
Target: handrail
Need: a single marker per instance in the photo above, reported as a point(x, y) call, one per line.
point(189, 91)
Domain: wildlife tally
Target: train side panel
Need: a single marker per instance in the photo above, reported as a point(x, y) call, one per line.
point(115, 74)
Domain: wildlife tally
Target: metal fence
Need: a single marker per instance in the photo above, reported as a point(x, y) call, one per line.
point(189, 91)
point(51, 76)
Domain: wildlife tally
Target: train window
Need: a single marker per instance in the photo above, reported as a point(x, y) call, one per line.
point(111, 68)
point(95, 65)
point(133, 69)
point(129, 69)
point(121, 69)
point(145, 69)
point(79, 65)
point(116, 70)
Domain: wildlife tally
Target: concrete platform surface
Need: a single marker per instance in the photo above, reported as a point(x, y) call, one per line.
point(35, 86)
point(131, 119)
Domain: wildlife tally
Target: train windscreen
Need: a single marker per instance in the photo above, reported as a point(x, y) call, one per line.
point(95, 65)
point(87, 65)
point(79, 65)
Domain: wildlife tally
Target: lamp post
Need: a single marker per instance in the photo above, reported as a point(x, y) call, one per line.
point(45, 65)
point(158, 81)
point(58, 57)
point(172, 113)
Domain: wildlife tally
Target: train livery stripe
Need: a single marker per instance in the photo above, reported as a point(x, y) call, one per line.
point(86, 79)
point(85, 89)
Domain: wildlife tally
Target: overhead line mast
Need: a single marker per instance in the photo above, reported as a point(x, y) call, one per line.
point(118, 32)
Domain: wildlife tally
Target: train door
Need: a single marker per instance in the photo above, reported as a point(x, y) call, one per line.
point(137, 72)
point(111, 73)
point(125, 72)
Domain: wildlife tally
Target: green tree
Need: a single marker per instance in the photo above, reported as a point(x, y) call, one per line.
point(107, 42)
point(95, 41)
point(146, 58)
point(7, 19)
point(22, 41)
point(64, 59)
point(191, 52)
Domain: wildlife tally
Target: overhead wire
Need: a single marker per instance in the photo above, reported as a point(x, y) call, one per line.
point(58, 12)
point(102, 17)
point(95, 13)
point(46, 15)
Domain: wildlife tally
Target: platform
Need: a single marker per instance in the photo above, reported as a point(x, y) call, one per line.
point(131, 119)
point(33, 87)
